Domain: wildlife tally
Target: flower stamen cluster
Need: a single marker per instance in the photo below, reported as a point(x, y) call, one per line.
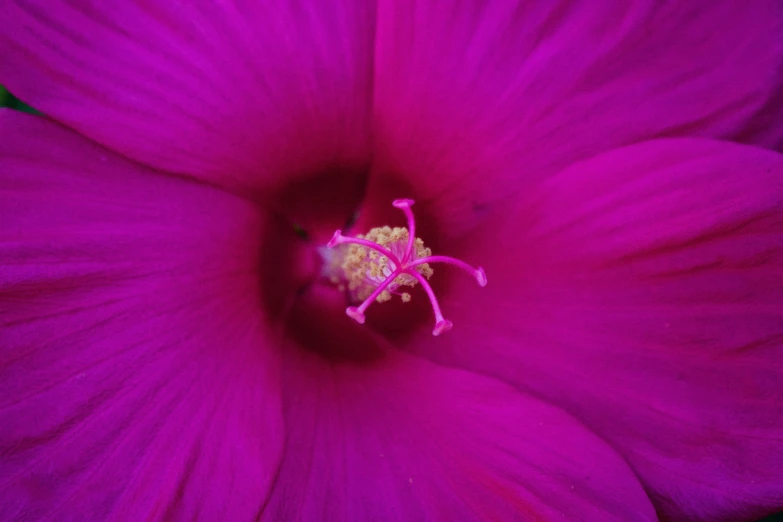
point(380, 263)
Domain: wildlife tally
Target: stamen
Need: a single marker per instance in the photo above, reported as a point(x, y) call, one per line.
point(396, 257)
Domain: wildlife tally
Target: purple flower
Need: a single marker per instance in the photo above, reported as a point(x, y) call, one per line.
point(170, 349)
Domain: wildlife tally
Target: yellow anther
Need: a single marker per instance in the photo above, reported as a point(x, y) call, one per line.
point(364, 269)
point(397, 258)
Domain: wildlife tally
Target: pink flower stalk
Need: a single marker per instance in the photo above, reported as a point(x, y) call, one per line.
point(171, 348)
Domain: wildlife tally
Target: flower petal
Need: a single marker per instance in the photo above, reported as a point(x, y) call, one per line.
point(244, 96)
point(137, 378)
point(642, 291)
point(478, 101)
point(394, 437)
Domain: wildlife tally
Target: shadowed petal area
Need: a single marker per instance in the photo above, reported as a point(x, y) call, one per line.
point(464, 92)
point(137, 377)
point(394, 437)
point(240, 94)
point(642, 291)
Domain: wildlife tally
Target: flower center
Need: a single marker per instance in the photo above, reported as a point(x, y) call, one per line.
point(375, 266)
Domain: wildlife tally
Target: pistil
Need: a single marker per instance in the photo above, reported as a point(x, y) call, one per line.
point(377, 265)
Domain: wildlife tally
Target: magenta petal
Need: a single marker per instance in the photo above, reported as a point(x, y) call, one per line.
point(642, 291)
point(242, 95)
point(479, 100)
point(394, 437)
point(137, 377)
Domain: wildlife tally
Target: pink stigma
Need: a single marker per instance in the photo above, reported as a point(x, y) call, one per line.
point(405, 265)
